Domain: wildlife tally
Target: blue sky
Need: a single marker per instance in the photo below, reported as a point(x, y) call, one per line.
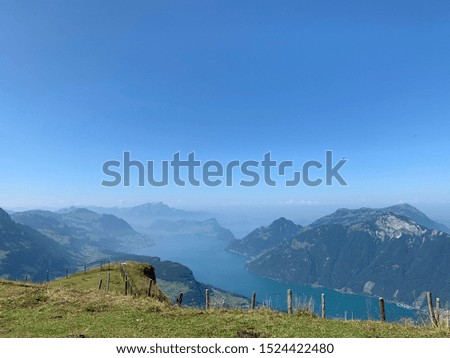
point(83, 81)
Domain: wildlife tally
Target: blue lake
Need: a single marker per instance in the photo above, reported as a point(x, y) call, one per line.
point(212, 264)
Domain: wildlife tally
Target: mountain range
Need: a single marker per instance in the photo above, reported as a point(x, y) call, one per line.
point(142, 216)
point(381, 252)
point(25, 251)
point(158, 220)
point(83, 231)
point(35, 242)
point(210, 229)
point(395, 252)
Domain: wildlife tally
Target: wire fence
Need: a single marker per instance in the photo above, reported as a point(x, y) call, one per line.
point(54, 273)
point(436, 313)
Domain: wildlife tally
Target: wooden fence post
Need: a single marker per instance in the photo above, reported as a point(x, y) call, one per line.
point(382, 311)
point(180, 299)
point(323, 307)
point(26, 278)
point(101, 265)
point(431, 310)
point(253, 303)
point(108, 279)
point(448, 314)
point(126, 285)
point(85, 269)
point(289, 300)
point(149, 291)
point(207, 299)
point(438, 309)
point(100, 284)
point(67, 272)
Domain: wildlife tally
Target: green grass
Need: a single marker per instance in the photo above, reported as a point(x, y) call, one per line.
point(75, 307)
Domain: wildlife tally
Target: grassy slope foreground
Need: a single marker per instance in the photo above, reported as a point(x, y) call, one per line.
point(75, 307)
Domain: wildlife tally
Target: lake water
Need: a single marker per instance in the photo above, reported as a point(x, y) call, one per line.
point(212, 264)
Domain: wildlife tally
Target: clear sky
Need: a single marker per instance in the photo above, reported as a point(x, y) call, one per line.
point(83, 81)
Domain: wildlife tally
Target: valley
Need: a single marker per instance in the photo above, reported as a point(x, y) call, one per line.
point(341, 255)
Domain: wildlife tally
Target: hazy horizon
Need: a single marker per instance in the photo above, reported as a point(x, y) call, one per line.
point(302, 214)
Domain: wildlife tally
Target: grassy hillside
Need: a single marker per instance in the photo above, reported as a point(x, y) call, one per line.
point(174, 278)
point(75, 307)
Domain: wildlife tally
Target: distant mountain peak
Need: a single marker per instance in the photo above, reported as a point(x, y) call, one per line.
point(416, 215)
point(348, 217)
point(282, 226)
point(142, 216)
point(281, 221)
point(82, 211)
point(154, 208)
point(403, 205)
point(265, 237)
point(153, 204)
